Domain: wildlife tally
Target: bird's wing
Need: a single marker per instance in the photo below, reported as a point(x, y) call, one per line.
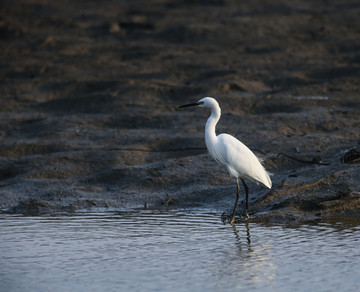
point(239, 157)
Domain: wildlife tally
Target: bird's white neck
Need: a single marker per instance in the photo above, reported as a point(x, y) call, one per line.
point(210, 134)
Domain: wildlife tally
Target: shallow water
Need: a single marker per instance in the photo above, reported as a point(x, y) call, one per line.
point(175, 251)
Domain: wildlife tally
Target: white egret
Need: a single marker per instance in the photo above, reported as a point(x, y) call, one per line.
point(239, 160)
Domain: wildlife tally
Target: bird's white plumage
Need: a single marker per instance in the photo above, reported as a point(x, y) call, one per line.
point(239, 160)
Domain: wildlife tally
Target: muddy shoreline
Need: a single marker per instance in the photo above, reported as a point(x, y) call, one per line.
point(89, 97)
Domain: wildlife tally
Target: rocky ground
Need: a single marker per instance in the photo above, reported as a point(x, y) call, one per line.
point(89, 94)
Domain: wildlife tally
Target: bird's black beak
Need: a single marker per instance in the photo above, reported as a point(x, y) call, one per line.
point(190, 104)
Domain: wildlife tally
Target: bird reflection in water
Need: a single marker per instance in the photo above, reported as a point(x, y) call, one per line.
point(255, 261)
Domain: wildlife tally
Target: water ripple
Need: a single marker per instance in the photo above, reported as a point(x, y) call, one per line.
point(181, 251)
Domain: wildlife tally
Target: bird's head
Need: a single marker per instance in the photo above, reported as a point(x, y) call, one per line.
point(204, 102)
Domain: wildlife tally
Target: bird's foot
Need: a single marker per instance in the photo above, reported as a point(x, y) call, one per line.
point(239, 220)
point(233, 220)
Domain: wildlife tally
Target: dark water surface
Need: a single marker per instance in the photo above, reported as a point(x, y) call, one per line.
point(175, 251)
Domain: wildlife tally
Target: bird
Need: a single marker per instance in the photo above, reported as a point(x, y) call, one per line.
point(239, 160)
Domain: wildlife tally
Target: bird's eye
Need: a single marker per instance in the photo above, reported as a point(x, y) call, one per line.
point(201, 102)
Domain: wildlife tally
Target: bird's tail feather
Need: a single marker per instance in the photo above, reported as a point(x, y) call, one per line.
point(268, 181)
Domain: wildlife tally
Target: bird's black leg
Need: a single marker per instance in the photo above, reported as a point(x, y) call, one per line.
point(246, 199)
point(236, 202)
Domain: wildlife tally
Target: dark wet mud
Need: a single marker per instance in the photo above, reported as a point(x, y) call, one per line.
point(89, 94)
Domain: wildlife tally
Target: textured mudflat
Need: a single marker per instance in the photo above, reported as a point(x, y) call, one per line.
point(89, 94)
